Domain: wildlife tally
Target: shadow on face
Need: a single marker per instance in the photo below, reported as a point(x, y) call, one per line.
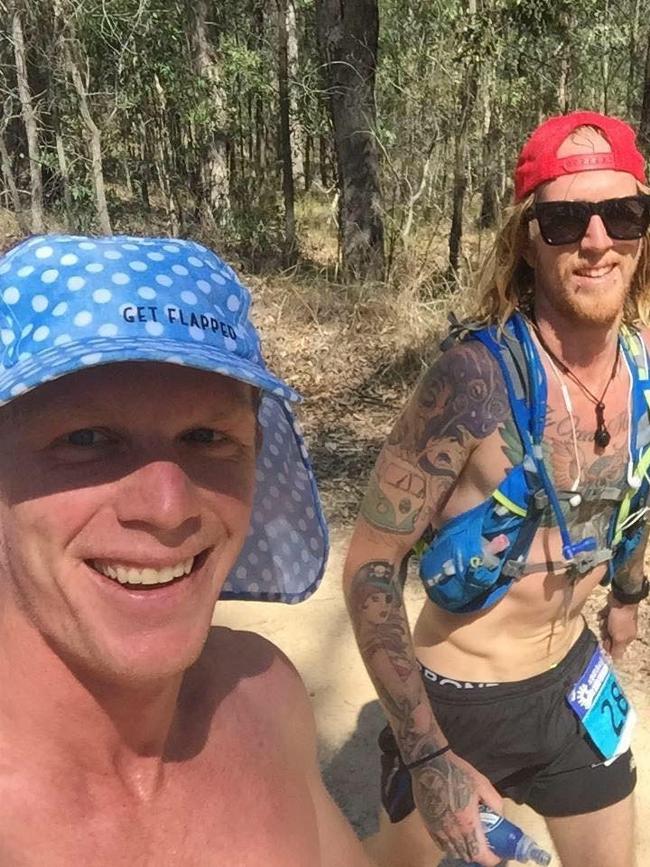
point(137, 466)
point(96, 425)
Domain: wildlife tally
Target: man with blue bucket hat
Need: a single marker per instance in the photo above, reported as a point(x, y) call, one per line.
point(150, 464)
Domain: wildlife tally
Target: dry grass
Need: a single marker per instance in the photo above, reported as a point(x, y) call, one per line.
point(10, 232)
point(355, 351)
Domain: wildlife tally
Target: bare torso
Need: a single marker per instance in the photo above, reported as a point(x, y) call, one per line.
point(232, 790)
point(539, 618)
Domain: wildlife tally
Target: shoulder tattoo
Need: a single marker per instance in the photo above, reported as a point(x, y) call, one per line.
point(463, 394)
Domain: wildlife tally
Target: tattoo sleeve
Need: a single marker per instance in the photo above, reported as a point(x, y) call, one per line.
point(460, 401)
point(382, 630)
point(443, 791)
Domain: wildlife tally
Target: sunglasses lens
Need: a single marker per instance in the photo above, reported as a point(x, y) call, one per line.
point(626, 219)
point(562, 222)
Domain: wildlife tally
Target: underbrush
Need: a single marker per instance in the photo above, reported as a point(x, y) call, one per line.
point(354, 350)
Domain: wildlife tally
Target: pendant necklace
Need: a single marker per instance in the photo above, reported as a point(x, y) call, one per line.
point(602, 436)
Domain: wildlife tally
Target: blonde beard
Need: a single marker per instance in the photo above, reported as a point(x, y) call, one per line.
point(595, 312)
point(598, 312)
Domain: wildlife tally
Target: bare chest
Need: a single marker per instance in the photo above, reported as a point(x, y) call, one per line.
point(241, 806)
point(574, 461)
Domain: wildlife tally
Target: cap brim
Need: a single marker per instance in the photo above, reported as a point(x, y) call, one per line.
point(58, 361)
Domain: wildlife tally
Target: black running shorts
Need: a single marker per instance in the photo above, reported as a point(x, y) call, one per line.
point(523, 737)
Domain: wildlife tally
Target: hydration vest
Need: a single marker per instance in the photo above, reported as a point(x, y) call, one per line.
point(473, 558)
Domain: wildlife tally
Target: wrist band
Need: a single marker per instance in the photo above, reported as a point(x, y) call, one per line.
point(416, 764)
point(631, 598)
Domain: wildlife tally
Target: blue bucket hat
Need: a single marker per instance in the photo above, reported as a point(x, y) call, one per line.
point(71, 302)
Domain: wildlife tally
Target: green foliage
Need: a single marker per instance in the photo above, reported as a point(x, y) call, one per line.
point(158, 116)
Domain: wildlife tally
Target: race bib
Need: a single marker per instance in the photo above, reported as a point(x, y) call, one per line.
point(598, 700)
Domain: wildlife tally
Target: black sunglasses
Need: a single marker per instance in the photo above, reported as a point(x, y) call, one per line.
point(625, 219)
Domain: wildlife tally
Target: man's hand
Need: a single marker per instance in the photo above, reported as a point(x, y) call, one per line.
point(618, 626)
point(447, 792)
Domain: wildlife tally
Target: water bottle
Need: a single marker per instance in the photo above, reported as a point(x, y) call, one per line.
point(505, 840)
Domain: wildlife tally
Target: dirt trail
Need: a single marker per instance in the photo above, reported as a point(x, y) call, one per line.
point(317, 637)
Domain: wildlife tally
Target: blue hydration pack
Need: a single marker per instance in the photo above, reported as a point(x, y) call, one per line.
point(459, 569)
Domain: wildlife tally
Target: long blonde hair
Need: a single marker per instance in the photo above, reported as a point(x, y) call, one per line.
point(506, 281)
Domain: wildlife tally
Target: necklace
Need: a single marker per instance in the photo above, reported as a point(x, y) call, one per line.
point(602, 436)
point(568, 404)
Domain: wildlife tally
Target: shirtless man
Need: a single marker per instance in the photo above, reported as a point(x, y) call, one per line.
point(147, 460)
point(477, 695)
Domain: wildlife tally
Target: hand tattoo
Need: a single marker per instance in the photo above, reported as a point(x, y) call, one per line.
point(441, 791)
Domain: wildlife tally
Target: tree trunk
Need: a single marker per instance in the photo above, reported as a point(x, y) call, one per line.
point(260, 137)
point(144, 164)
point(490, 204)
point(59, 62)
point(285, 134)
point(162, 152)
point(323, 161)
point(632, 60)
point(215, 194)
point(309, 146)
point(250, 118)
point(29, 119)
point(297, 132)
point(466, 107)
point(644, 123)
point(460, 178)
point(65, 177)
point(490, 193)
point(563, 80)
point(94, 141)
point(128, 181)
point(348, 36)
point(604, 101)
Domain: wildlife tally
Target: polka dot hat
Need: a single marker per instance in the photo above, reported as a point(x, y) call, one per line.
point(70, 302)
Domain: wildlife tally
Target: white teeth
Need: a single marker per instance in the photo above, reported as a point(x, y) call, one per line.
point(129, 575)
point(151, 576)
point(595, 272)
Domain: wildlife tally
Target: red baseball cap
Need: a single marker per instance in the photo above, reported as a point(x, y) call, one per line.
point(538, 161)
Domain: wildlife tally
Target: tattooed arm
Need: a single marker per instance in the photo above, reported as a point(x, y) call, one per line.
point(618, 621)
point(457, 404)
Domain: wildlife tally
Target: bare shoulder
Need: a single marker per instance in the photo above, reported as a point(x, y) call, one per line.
point(247, 712)
point(247, 656)
point(459, 402)
point(463, 362)
point(461, 397)
point(244, 667)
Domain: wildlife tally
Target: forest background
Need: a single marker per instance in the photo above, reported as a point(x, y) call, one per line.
point(350, 157)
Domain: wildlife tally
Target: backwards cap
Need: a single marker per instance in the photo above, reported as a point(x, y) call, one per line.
point(538, 161)
point(70, 302)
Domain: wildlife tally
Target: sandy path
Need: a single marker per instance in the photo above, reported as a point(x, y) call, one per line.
point(317, 637)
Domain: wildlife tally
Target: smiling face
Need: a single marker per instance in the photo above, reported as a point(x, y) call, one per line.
point(125, 498)
point(586, 282)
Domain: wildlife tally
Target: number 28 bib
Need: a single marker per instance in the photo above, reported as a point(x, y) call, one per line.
point(598, 700)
